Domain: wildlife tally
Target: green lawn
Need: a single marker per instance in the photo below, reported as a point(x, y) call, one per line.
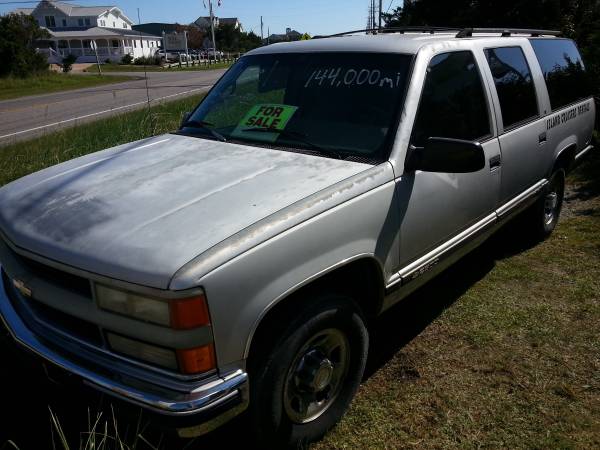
point(52, 82)
point(134, 68)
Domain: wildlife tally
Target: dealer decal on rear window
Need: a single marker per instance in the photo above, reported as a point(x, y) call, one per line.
point(265, 117)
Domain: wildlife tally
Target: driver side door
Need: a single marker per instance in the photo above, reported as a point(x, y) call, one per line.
point(438, 210)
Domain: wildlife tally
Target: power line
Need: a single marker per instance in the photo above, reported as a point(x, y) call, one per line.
point(32, 1)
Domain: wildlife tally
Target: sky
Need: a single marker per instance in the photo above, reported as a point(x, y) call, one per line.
point(306, 16)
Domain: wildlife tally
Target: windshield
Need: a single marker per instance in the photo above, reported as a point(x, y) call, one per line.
point(335, 104)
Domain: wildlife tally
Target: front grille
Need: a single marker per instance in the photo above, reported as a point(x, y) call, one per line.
point(85, 331)
point(64, 280)
point(39, 316)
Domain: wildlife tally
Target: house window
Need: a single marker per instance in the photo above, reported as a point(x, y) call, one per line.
point(50, 21)
point(124, 25)
point(134, 44)
point(64, 22)
point(114, 24)
point(103, 23)
point(80, 22)
point(88, 22)
point(115, 43)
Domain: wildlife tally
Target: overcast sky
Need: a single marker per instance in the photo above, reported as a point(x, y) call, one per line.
point(311, 16)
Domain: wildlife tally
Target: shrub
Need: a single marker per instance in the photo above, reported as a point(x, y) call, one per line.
point(127, 59)
point(147, 61)
point(67, 63)
point(19, 58)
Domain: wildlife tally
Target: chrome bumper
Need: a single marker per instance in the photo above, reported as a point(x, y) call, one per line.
point(200, 400)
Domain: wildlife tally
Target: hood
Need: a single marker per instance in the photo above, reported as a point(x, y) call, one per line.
point(141, 211)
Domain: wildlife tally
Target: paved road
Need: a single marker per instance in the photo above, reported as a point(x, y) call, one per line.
point(29, 117)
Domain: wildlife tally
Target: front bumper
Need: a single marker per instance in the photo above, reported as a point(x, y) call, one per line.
point(195, 410)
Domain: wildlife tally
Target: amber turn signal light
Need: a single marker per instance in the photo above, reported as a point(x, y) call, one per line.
point(189, 313)
point(197, 360)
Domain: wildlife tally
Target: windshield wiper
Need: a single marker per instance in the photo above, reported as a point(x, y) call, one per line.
point(300, 137)
point(201, 125)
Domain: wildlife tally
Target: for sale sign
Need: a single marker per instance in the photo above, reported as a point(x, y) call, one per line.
point(265, 117)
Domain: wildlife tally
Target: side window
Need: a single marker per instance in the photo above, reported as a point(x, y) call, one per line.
point(453, 103)
point(563, 70)
point(514, 84)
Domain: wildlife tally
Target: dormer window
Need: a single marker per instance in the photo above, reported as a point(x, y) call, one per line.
point(50, 21)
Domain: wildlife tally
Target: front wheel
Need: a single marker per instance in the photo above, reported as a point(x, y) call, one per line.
point(307, 377)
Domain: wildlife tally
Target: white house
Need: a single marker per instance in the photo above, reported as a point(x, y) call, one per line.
point(72, 28)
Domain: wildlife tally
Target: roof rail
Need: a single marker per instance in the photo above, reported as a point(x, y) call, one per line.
point(461, 32)
point(506, 32)
point(401, 30)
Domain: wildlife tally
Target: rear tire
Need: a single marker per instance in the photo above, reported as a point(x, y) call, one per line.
point(305, 376)
point(543, 216)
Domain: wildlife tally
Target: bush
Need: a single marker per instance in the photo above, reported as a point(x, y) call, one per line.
point(19, 58)
point(147, 61)
point(127, 59)
point(67, 63)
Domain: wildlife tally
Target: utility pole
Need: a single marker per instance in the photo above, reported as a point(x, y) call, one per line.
point(380, 15)
point(212, 29)
point(262, 25)
point(372, 15)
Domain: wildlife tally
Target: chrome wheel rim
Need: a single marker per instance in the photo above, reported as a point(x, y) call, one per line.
point(316, 376)
point(550, 206)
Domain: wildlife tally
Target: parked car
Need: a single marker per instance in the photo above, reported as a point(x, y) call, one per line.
point(237, 264)
point(212, 53)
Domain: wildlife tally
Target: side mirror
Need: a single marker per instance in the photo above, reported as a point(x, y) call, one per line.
point(446, 155)
point(185, 118)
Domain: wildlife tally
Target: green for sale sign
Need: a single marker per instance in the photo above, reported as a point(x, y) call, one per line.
point(264, 117)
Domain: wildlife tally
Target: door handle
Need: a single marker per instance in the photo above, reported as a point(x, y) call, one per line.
point(495, 162)
point(543, 137)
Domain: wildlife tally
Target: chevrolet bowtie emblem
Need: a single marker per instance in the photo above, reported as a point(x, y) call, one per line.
point(22, 288)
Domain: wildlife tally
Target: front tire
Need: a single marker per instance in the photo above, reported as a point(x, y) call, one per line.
point(303, 382)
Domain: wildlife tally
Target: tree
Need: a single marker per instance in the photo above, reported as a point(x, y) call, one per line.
point(305, 37)
point(577, 19)
point(231, 39)
point(18, 34)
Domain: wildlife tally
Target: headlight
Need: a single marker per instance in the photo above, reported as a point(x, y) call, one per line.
point(180, 314)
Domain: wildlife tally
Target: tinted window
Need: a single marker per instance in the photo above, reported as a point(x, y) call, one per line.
point(453, 102)
point(514, 84)
point(563, 69)
point(347, 103)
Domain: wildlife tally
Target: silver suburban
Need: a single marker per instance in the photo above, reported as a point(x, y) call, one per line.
point(236, 264)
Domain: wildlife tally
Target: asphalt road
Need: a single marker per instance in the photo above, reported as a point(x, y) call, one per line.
point(28, 117)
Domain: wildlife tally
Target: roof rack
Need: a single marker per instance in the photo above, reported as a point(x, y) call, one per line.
point(461, 32)
point(506, 32)
point(401, 30)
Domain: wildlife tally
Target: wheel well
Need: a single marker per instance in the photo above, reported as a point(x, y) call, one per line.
point(565, 159)
point(362, 280)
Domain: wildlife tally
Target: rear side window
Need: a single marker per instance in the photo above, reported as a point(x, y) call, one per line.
point(514, 85)
point(453, 103)
point(563, 70)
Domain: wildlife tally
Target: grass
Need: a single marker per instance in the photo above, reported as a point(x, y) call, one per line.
point(134, 68)
point(52, 82)
point(500, 351)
